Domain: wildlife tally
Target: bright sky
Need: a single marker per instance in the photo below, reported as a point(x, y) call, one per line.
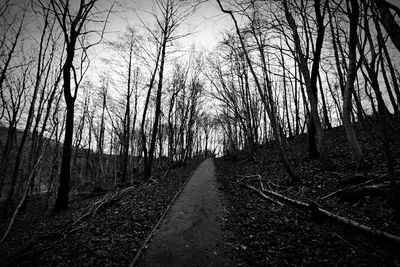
point(206, 23)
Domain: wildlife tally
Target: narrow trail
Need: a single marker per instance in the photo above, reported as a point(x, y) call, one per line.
point(190, 234)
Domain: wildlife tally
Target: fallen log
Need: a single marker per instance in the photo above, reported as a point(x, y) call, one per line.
point(316, 210)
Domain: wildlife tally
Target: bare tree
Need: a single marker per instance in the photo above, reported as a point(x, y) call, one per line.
point(73, 24)
point(349, 88)
point(40, 73)
point(269, 106)
point(172, 14)
point(316, 139)
point(8, 45)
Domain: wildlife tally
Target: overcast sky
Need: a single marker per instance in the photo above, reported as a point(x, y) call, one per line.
point(205, 25)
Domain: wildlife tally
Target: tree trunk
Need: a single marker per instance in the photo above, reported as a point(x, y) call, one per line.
point(61, 203)
point(65, 173)
point(270, 107)
point(389, 22)
point(149, 164)
point(347, 94)
point(316, 138)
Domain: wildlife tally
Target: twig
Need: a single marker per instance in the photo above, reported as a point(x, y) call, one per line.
point(243, 177)
point(261, 183)
point(348, 242)
point(335, 173)
point(276, 185)
point(261, 193)
point(354, 186)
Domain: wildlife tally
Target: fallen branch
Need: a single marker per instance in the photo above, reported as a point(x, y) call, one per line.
point(107, 200)
point(276, 185)
point(316, 210)
point(354, 186)
point(288, 200)
point(244, 177)
point(355, 179)
point(335, 173)
point(36, 244)
point(368, 190)
point(262, 194)
point(358, 179)
point(362, 227)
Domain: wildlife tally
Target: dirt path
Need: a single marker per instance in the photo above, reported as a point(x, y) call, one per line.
point(190, 234)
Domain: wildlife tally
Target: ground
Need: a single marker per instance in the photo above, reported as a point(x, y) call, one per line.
point(190, 234)
point(218, 221)
point(110, 237)
point(264, 233)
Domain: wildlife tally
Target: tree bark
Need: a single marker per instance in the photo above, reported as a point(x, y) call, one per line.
point(347, 94)
point(388, 21)
point(316, 144)
point(61, 203)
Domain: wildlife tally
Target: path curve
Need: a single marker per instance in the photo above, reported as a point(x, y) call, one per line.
point(190, 234)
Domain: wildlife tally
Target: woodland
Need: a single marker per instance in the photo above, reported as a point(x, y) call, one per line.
point(298, 104)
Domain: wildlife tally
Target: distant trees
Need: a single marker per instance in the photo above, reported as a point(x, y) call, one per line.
point(126, 47)
point(286, 68)
point(264, 90)
point(171, 15)
point(42, 69)
point(315, 46)
point(44, 94)
point(12, 95)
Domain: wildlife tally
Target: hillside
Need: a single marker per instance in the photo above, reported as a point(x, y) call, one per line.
point(265, 233)
point(98, 229)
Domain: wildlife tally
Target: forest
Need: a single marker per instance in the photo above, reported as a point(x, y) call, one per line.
point(109, 109)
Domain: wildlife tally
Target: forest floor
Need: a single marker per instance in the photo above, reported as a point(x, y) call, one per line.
point(106, 230)
point(261, 232)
